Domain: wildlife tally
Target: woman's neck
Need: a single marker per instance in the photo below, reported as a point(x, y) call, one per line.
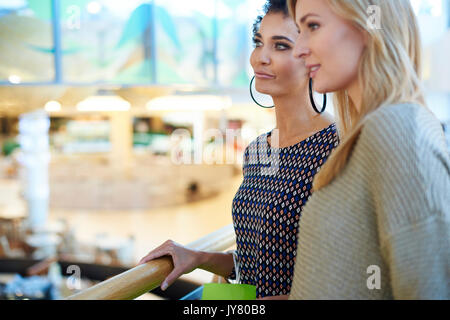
point(355, 94)
point(294, 115)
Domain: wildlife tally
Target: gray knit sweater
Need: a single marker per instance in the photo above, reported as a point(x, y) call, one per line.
point(385, 217)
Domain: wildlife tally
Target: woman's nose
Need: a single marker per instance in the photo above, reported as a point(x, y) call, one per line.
point(301, 50)
point(263, 57)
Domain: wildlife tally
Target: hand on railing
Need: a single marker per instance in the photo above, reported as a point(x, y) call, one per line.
point(184, 260)
point(147, 276)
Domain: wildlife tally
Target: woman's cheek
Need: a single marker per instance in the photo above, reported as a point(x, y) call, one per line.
point(290, 70)
point(252, 59)
point(316, 47)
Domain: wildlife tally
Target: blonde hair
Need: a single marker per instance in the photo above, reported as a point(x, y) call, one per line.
point(389, 71)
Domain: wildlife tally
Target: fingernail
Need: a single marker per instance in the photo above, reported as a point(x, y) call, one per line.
point(164, 286)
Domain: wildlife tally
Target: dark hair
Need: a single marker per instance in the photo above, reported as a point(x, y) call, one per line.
point(271, 6)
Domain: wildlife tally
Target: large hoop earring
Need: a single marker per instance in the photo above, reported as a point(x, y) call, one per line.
point(311, 97)
point(253, 97)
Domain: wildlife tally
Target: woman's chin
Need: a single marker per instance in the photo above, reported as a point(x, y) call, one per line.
point(320, 87)
point(322, 91)
point(263, 90)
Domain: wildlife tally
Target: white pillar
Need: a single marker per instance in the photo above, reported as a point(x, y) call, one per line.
point(198, 128)
point(34, 159)
point(121, 138)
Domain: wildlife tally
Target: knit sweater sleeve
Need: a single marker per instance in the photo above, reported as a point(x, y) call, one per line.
point(411, 194)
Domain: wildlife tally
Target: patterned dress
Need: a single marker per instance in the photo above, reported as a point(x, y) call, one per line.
point(267, 207)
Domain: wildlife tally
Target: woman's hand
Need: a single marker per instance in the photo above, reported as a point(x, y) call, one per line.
point(184, 260)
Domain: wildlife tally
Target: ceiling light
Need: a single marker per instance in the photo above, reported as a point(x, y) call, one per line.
point(190, 103)
point(15, 79)
point(103, 104)
point(53, 106)
point(94, 7)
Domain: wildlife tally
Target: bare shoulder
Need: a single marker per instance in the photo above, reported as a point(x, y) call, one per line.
point(328, 118)
point(325, 120)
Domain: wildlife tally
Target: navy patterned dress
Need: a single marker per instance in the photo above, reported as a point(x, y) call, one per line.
point(267, 207)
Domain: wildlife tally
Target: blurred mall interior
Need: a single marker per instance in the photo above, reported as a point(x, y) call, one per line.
point(122, 125)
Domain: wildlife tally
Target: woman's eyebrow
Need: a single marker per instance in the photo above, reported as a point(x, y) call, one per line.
point(302, 20)
point(282, 38)
point(258, 35)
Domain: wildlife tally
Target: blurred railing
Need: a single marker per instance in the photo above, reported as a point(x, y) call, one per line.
point(144, 278)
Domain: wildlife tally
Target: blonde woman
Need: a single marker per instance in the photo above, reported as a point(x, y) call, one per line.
point(377, 224)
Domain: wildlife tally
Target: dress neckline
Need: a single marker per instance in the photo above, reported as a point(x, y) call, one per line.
point(300, 142)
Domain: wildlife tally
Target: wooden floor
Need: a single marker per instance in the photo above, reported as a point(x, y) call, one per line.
point(182, 224)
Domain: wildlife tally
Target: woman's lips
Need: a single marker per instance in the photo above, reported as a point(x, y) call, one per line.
point(313, 70)
point(261, 75)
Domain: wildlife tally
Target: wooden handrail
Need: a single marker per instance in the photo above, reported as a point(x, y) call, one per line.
point(146, 277)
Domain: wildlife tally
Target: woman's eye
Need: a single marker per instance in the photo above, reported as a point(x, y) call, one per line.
point(257, 43)
point(281, 46)
point(313, 26)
